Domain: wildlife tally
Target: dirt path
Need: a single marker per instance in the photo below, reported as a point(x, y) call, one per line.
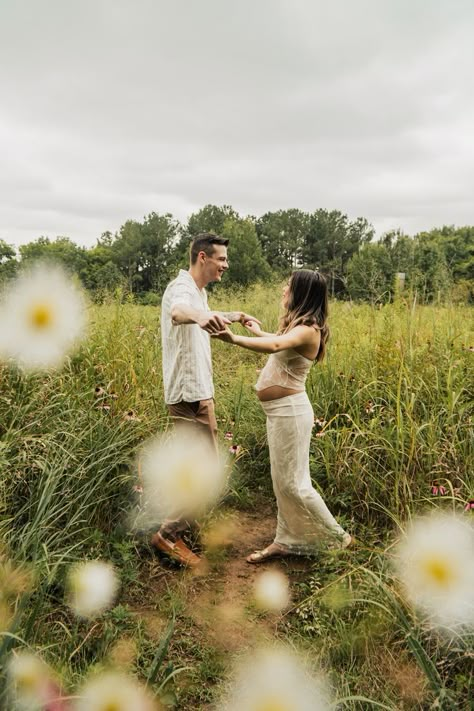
point(218, 599)
point(215, 618)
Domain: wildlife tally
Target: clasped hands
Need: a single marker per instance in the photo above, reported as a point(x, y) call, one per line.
point(217, 325)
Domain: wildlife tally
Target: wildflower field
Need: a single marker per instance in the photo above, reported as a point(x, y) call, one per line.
point(393, 439)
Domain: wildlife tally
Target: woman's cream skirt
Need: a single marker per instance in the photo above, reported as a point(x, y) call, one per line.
point(304, 521)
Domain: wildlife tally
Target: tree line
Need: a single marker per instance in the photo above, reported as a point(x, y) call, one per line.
point(142, 257)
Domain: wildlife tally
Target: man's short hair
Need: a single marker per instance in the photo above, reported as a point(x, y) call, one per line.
point(204, 242)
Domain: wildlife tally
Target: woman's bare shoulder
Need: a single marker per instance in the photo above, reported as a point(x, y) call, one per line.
point(310, 332)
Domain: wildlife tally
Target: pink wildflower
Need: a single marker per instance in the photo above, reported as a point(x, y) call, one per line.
point(438, 489)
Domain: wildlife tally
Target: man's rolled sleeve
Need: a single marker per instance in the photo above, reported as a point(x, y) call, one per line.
point(182, 297)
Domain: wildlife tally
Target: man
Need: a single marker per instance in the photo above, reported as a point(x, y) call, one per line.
point(186, 327)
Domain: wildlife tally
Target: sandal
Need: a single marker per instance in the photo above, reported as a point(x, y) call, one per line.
point(177, 550)
point(266, 554)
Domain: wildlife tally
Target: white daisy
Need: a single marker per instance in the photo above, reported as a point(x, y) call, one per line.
point(42, 315)
point(271, 591)
point(182, 476)
point(92, 588)
point(436, 566)
point(113, 691)
point(275, 680)
point(31, 681)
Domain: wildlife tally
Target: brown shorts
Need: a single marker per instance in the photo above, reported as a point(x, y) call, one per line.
point(199, 414)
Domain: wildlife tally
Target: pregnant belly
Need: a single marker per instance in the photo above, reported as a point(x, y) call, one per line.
point(275, 392)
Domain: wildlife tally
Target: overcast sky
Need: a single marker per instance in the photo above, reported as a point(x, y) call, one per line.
point(111, 109)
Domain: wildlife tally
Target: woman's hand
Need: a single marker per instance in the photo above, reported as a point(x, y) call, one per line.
point(253, 327)
point(225, 335)
point(247, 317)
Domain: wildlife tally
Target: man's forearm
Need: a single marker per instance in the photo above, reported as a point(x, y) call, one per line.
point(181, 314)
point(232, 316)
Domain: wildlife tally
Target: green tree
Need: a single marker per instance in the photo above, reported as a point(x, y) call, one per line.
point(430, 277)
point(457, 245)
point(370, 274)
point(145, 253)
point(8, 261)
point(282, 235)
point(401, 248)
point(211, 218)
point(159, 237)
point(246, 261)
point(330, 243)
point(62, 250)
point(126, 251)
point(100, 273)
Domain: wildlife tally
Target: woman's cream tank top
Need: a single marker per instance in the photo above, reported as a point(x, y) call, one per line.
point(287, 368)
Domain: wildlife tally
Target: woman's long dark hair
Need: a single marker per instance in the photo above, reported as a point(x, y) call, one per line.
point(307, 305)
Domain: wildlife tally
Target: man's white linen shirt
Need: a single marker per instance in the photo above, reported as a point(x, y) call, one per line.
point(186, 349)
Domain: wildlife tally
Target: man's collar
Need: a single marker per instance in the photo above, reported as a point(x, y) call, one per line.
point(187, 275)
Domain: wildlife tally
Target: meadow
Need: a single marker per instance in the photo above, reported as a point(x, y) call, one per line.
point(394, 408)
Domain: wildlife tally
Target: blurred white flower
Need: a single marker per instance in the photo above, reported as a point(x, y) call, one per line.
point(220, 534)
point(27, 674)
point(42, 315)
point(275, 680)
point(32, 684)
point(92, 588)
point(182, 476)
point(113, 691)
point(435, 563)
point(272, 591)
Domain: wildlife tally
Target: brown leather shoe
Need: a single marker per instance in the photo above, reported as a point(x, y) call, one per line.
point(177, 550)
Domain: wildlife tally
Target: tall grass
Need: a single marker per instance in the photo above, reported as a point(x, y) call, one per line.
point(395, 392)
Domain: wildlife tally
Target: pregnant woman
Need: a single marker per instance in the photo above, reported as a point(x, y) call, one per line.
point(304, 520)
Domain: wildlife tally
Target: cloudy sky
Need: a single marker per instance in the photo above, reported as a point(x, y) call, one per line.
point(111, 109)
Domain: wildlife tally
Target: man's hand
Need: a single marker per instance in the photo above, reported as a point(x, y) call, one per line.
point(212, 322)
